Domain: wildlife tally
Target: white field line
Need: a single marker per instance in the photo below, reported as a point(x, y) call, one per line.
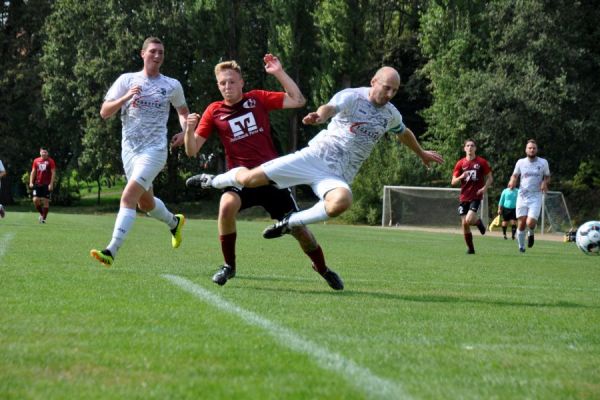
point(361, 377)
point(4, 242)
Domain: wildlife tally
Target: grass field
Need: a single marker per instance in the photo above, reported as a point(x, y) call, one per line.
point(418, 319)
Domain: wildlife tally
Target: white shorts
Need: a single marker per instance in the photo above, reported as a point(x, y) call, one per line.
point(143, 167)
point(303, 168)
point(529, 206)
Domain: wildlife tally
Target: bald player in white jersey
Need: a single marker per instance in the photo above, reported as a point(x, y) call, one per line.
point(144, 99)
point(534, 174)
point(360, 117)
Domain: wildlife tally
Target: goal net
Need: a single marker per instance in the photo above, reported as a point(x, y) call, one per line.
point(431, 207)
point(555, 216)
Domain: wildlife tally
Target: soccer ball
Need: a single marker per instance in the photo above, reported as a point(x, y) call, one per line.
point(588, 238)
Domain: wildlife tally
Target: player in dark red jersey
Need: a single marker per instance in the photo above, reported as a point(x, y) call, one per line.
point(41, 182)
point(475, 177)
point(242, 122)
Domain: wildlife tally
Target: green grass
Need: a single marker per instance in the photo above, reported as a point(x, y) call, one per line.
point(417, 314)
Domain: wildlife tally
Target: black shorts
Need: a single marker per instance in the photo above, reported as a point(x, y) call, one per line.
point(41, 191)
point(277, 202)
point(509, 214)
point(465, 206)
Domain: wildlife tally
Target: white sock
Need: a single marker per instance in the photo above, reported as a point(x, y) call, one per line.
point(521, 238)
point(314, 214)
point(161, 213)
point(530, 232)
point(227, 179)
point(123, 224)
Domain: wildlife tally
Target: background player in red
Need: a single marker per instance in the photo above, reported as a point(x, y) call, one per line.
point(41, 181)
point(475, 177)
point(242, 122)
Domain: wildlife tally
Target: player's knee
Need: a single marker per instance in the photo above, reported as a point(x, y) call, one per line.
point(228, 210)
point(337, 203)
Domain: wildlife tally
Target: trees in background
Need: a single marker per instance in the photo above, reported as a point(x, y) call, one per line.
point(23, 127)
point(503, 71)
point(498, 71)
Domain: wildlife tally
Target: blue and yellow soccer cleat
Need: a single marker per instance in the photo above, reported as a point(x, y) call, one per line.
point(176, 232)
point(104, 256)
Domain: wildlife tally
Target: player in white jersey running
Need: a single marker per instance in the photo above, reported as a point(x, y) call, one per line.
point(534, 174)
point(144, 99)
point(361, 116)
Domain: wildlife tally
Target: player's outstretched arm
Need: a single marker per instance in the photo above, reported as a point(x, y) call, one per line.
point(427, 156)
point(293, 96)
point(320, 116)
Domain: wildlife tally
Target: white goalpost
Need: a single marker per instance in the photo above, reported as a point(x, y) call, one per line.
point(432, 207)
point(436, 207)
point(555, 216)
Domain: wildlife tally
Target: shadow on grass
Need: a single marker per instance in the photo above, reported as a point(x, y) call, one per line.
point(426, 298)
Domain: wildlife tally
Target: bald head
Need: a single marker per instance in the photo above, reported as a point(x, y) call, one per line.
point(384, 86)
point(388, 74)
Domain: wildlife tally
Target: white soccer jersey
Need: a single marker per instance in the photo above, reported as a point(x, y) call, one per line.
point(144, 116)
point(352, 133)
point(531, 174)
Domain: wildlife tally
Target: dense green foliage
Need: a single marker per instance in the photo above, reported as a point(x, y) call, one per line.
point(500, 71)
point(505, 71)
point(428, 321)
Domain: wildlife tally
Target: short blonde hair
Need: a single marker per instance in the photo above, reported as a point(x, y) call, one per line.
point(233, 65)
point(151, 39)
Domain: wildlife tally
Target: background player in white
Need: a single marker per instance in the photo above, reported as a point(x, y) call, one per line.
point(144, 99)
point(361, 116)
point(534, 175)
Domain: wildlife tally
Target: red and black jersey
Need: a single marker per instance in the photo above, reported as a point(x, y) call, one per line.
point(474, 180)
point(43, 168)
point(244, 127)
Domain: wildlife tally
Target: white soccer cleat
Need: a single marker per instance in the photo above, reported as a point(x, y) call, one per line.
point(203, 181)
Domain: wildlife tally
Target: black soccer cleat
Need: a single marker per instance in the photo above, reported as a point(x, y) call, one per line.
point(203, 181)
point(278, 229)
point(224, 274)
point(333, 280)
point(530, 241)
point(521, 249)
point(470, 251)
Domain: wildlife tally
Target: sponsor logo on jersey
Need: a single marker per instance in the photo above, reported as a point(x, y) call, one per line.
point(365, 129)
point(243, 126)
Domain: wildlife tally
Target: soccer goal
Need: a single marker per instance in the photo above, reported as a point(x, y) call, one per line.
point(430, 207)
point(555, 216)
